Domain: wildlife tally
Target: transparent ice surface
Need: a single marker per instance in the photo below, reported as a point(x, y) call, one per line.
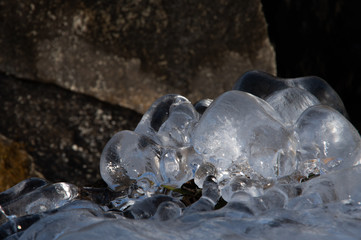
point(157, 114)
point(146, 208)
point(290, 103)
point(262, 85)
point(67, 220)
point(328, 141)
point(334, 220)
point(239, 148)
point(174, 166)
point(259, 83)
point(202, 105)
point(324, 207)
point(175, 131)
point(22, 188)
point(45, 198)
point(338, 186)
point(321, 89)
point(253, 188)
point(204, 170)
point(241, 133)
point(168, 211)
point(128, 156)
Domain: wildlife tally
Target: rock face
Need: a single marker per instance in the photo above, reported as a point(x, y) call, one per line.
point(64, 132)
point(132, 52)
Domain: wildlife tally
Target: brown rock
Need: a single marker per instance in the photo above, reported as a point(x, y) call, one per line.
point(15, 164)
point(132, 52)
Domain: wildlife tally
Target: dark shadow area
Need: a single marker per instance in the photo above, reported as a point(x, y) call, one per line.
point(319, 38)
point(65, 132)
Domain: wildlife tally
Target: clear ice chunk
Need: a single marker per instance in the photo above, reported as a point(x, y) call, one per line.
point(146, 208)
point(262, 84)
point(274, 198)
point(290, 103)
point(240, 183)
point(259, 83)
point(41, 199)
point(240, 131)
point(202, 105)
point(328, 141)
point(209, 199)
point(58, 224)
point(249, 145)
point(168, 211)
point(157, 114)
point(321, 90)
point(204, 170)
point(126, 157)
point(174, 167)
point(21, 188)
point(337, 186)
point(175, 131)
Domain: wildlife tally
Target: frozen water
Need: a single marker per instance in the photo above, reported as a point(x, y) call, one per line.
point(21, 188)
point(286, 167)
point(327, 141)
point(53, 226)
point(41, 199)
point(174, 167)
point(290, 103)
point(259, 83)
point(168, 210)
point(243, 184)
point(147, 207)
point(242, 134)
point(202, 105)
point(175, 131)
point(319, 88)
point(341, 186)
point(128, 156)
point(337, 220)
point(157, 151)
point(209, 199)
point(157, 114)
point(262, 85)
point(204, 170)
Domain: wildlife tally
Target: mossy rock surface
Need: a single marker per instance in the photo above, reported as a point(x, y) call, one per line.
point(15, 164)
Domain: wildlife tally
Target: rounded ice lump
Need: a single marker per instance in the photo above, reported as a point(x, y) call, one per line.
point(260, 130)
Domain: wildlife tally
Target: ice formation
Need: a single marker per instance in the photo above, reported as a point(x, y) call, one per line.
point(273, 159)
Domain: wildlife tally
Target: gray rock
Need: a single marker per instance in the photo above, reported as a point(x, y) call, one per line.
point(132, 52)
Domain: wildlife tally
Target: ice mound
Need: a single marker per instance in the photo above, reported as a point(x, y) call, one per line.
point(264, 129)
point(271, 159)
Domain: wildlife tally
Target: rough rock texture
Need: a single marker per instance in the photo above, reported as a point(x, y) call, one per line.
point(63, 131)
point(319, 38)
point(131, 52)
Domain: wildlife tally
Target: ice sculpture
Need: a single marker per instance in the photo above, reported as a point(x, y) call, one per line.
point(260, 131)
point(271, 159)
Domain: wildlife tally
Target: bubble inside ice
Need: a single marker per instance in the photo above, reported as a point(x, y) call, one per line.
point(277, 158)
